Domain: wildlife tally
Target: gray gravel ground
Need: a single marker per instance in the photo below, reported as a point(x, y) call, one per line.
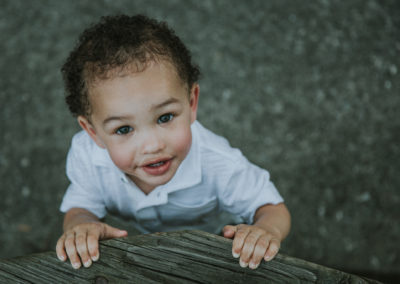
point(307, 89)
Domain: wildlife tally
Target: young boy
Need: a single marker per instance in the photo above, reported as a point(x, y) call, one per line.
point(142, 155)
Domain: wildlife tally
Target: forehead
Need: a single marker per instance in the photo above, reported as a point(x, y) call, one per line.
point(158, 81)
point(97, 76)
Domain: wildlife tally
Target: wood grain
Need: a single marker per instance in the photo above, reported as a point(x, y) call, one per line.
point(174, 257)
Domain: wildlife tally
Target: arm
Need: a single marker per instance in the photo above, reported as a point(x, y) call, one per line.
point(262, 239)
point(273, 217)
point(82, 232)
point(76, 216)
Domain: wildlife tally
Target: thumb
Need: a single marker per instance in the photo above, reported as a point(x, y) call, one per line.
point(229, 231)
point(110, 232)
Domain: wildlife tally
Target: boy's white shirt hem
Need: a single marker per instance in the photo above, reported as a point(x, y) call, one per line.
point(212, 178)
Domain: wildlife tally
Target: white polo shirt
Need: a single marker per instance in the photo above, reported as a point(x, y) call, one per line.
point(213, 178)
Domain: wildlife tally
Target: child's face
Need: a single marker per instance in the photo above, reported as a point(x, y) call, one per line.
point(143, 120)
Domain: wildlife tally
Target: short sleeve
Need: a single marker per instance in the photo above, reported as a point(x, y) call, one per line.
point(248, 188)
point(84, 190)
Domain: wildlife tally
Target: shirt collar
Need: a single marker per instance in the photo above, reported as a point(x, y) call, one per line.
point(187, 175)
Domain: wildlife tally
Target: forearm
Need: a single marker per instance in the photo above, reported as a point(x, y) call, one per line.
point(76, 216)
point(273, 218)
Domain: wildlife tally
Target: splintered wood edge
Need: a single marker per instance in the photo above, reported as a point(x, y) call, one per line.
point(315, 272)
point(202, 249)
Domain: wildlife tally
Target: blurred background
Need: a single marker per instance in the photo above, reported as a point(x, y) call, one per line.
point(307, 89)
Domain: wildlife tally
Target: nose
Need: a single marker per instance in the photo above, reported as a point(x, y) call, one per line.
point(152, 142)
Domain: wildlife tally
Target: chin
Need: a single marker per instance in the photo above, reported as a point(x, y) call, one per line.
point(165, 179)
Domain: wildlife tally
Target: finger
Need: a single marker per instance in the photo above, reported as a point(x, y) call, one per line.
point(71, 250)
point(229, 231)
point(60, 249)
point(248, 247)
point(259, 252)
point(82, 248)
point(111, 232)
point(273, 249)
point(238, 241)
point(93, 245)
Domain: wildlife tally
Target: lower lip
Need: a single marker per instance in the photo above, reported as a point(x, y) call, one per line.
point(157, 171)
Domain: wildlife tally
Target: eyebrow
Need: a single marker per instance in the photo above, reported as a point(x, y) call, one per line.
point(165, 103)
point(157, 106)
point(111, 118)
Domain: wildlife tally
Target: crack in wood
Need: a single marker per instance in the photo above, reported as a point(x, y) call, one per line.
point(173, 257)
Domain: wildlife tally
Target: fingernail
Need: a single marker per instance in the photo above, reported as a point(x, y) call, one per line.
point(87, 263)
point(253, 265)
point(95, 258)
point(76, 265)
point(267, 257)
point(243, 264)
point(60, 257)
point(235, 255)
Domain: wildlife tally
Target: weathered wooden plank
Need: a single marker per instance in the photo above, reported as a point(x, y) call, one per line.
point(174, 257)
point(187, 255)
point(6, 277)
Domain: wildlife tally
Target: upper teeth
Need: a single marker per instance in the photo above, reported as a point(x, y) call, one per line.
point(156, 164)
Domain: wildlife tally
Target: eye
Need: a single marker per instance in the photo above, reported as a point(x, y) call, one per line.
point(165, 118)
point(124, 130)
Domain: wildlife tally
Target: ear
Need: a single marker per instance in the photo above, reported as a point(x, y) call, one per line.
point(89, 128)
point(194, 100)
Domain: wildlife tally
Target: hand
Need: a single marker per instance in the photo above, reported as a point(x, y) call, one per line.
point(252, 244)
point(81, 242)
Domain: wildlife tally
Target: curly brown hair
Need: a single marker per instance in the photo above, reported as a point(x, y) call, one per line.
point(115, 44)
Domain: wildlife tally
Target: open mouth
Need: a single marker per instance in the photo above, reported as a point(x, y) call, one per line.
point(156, 164)
point(158, 168)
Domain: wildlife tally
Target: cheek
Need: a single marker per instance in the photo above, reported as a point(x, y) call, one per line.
point(120, 158)
point(182, 141)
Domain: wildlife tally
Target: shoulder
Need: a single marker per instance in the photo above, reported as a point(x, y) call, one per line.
point(82, 140)
point(84, 150)
point(80, 149)
point(219, 161)
point(215, 147)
